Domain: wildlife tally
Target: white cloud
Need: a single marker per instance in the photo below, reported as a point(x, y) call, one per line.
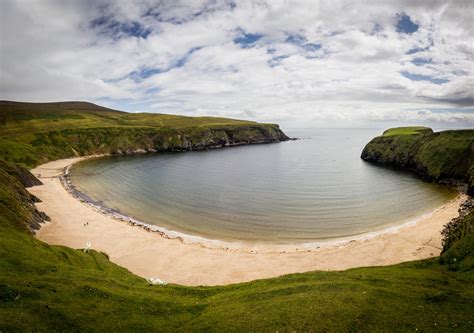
point(328, 63)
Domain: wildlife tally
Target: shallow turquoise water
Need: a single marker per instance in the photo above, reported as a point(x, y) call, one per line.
point(298, 191)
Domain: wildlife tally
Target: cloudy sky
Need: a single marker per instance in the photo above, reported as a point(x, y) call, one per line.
point(298, 63)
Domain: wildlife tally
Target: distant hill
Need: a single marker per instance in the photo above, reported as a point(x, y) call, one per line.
point(33, 133)
point(65, 115)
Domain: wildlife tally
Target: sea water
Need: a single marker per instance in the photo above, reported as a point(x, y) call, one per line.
point(316, 188)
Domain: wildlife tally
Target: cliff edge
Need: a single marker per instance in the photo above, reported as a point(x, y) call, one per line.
point(446, 156)
point(34, 133)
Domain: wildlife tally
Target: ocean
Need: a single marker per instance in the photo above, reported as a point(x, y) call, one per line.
point(310, 190)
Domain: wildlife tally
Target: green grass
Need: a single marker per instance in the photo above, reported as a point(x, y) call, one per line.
point(21, 120)
point(51, 287)
point(410, 130)
point(448, 153)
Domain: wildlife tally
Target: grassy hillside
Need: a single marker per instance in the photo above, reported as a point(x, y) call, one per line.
point(17, 210)
point(46, 117)
point(52, 288)
point(441, 156)
point(33, 133)
point(56, 288)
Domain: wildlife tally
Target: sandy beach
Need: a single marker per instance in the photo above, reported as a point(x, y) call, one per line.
point(148, 254)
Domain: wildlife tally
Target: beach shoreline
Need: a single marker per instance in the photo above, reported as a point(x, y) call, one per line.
point(223, 244)
point(194, 260)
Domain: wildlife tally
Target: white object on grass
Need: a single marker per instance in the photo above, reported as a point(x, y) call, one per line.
point(155, 281)
point(88, 246)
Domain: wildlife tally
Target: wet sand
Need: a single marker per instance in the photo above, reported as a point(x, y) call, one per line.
point(186, 262)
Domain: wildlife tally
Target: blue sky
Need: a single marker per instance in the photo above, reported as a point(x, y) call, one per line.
point(298, 63)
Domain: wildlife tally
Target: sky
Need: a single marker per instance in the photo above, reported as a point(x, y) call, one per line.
point(296, 63)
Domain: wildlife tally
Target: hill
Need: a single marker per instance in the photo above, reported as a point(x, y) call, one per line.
point(33, 133)
point(446, 156)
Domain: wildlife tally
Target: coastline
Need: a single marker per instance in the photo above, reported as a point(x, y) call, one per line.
point(222, 244)
point(191, 260)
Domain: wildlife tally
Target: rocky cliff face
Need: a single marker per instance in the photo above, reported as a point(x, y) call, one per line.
point(119, 140)
point(446, 156)
point(459, 227)
point(26, 178)
point(17, 207)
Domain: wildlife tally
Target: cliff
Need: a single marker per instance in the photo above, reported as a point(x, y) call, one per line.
point(33, 133)
point(17, 209)
point(446, 156)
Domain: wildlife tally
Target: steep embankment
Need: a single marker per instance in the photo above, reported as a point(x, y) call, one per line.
point(446, 156)
point(34, 133)
point(17, 209)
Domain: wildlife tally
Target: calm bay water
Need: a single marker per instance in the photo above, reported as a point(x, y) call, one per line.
point(298, 191)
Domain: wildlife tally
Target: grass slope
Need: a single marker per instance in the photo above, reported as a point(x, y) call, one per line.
point(47, 117)
point(56, 288)
point(441, 156)
point(407, 131)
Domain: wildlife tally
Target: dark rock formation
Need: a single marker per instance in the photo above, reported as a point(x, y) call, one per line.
point(21, 174)
point(459, 227)
point(17, 207)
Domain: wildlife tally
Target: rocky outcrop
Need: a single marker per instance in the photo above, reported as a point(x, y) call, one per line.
point(459, 227)
point(17, 207)
point(446, 157)
point(21, 174)
point(182, 140)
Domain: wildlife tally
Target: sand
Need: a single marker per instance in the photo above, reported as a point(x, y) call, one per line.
point(150, 255)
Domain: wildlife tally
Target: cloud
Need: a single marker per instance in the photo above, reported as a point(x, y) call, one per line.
point(299, 63)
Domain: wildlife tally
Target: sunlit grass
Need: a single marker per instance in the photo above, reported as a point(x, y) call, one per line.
point(46, 287)
point(411, 130)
